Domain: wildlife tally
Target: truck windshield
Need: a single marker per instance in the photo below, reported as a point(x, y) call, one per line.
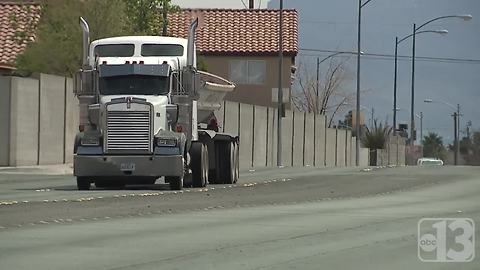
point(134, 85)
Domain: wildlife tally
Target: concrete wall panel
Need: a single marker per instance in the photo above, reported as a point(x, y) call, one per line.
point(272, 137)
point(260, 137)
point(353, 156)
point(331, 146)
point(52, 110)
point(364, 156)
point(341, 135)
point(319, 140)
point(71, 120)
point(309, 140)
point(298, 136)
point(287, 136)
point(348, 153)
point(231, 118)
point(246, 135)
point(24, 122)
point(5, 86)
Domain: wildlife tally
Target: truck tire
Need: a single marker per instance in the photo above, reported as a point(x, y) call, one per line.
point(199, 164)
point(175, 182)
point(237, 162)
point(83, 183)
point(230, 166)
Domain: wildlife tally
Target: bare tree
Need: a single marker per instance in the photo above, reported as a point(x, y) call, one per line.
point(324, 95)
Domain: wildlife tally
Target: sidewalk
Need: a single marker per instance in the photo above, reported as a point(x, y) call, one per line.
point(59, 169)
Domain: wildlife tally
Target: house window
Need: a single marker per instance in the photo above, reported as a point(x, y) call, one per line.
point(247, 71)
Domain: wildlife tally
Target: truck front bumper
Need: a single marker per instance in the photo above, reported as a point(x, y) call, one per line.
point(85, 165)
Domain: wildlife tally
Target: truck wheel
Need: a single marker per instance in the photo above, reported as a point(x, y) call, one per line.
point(176, 182)
point(83, 183)
point(230, 167)
point(199, 164)
point(237, 162)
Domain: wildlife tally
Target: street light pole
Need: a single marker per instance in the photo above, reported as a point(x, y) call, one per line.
point(412, 104)
point(280, 90)
point(359, 52)
point(395, 90)
point(421, 126)
point(317, 87)
point(397, 42)
point(415, 29)
point(455, 130)
point(357, 114)
point(457, 141)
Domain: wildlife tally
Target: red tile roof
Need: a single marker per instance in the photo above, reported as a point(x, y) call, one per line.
point(238, 31)
point(10, 48)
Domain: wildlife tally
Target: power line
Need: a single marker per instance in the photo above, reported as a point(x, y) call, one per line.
point(380, 56)
point(245, 5)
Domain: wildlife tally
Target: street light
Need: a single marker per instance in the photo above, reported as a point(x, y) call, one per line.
point(465, 17)
point(456, 124)
point(359, 49)
point(280, 90)
point(318, 72)
point(397, 42)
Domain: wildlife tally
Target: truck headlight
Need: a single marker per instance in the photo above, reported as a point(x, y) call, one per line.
point(171, 142)
point(90, 141)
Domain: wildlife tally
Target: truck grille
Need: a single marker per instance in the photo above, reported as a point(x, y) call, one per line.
point(128, 130)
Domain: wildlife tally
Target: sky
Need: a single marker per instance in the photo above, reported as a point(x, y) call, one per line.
point(331, 25)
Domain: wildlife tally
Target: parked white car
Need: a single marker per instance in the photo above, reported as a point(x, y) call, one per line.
point(429, 162)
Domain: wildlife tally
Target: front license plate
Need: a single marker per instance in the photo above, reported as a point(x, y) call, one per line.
point(127, 166)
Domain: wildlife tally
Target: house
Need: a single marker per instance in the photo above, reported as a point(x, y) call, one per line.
point(14, 17)
point(242, 46)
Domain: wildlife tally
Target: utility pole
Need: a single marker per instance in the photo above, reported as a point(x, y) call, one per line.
point(421, 126)
point(413, 134)
point(455, 130)
point(357, 120)
point(280, 90)
point(395, 90)
point(251, 4)
point(372, 121)
point(316, 90)
point(457, 145)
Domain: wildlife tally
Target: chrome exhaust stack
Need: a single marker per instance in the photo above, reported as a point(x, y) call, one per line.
point(86, 41)
point(191, 43)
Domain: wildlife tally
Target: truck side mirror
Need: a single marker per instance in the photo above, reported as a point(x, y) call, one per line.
point(172, 114)
point(84, 83)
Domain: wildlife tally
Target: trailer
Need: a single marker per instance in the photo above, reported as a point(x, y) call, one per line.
point(146, 112)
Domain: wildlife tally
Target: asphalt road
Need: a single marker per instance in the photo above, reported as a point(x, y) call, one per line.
point(290, 218)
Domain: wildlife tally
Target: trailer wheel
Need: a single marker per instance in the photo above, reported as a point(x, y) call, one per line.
point(176, 182)
point(83, 183)
point(199, 164)
point(237, 162)
point(228, 170)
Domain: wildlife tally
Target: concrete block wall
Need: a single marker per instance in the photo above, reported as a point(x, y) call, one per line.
point(298, 138)
point(40, 116)
point(51, 124)
point(246, 135)
point(320, 140)
point(260, 145)
point(309, 140)
point(341, 148)
point(330, 147)
point(5, 83)
point(24, 122)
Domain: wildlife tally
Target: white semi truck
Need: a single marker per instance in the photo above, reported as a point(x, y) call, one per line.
point(146, 112)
